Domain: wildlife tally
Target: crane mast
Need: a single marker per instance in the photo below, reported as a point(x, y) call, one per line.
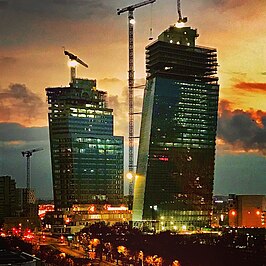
point(180, 18)
point(28, 155)
point(131, 82)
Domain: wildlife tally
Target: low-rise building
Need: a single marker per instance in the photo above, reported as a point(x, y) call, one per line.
point(81, 215)
point(247, 211)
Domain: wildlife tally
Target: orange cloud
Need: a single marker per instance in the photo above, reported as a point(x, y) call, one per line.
point(242, 130)
point(19, 104)
point(251, 86)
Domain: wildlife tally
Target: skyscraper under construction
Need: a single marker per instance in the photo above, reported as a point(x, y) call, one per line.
point(175, 168)
point(87, 159)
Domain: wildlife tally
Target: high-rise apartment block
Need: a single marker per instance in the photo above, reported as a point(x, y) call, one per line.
point(8, 204)
point(87, 159)
point(175, 168)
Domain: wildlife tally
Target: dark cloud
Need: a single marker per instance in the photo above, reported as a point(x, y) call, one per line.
point(263, 73)
point(229, 4)
point(242, 129)
point(50, 21)
point(91, 3)
point(251, 86)
point(3, 4)
point(78, 9)
point(7, 60)
point(12, 132)
point(18, 103)
point(110, 81)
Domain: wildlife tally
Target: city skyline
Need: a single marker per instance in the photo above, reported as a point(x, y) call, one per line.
point(31, 58)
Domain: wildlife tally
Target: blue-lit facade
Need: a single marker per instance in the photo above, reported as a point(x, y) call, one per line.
point(175, 168)
point(87, 159)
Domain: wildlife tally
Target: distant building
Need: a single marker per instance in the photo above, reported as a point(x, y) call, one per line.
point(8, 205)
point(247, 211)
point(81, 215)
point(220, 211)
point(175, 167)
point(87, 159)
point(26, 202)
point(44, 208)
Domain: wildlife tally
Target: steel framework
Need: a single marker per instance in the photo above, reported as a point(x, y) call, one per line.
point(131, 81)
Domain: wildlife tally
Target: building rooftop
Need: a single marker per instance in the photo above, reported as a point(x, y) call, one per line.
point(8, 257)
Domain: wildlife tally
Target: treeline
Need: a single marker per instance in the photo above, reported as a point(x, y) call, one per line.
point(230, 248)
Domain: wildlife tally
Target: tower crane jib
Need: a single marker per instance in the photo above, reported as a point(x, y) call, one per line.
point(76, 60)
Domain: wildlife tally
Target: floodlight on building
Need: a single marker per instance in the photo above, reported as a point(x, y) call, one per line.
point(129, 176)
point(179, 24)
point(72, 63)
point(132, 21)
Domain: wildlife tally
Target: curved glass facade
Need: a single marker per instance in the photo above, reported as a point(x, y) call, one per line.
point(175, 168)
point(87, 160)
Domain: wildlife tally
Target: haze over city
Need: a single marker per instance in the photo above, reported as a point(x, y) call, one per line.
point(31, 59)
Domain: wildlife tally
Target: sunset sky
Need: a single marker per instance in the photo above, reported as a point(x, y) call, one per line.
point(33, 33)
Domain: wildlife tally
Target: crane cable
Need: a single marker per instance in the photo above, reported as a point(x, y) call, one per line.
point(151, 22)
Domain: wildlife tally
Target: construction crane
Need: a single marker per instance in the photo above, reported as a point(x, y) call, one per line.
point(180, 18)
point(131, 22)
point(28, 154)
point(74, 61)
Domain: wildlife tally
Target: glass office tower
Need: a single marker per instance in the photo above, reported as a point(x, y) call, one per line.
point(175, 168)
point(87, 160)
